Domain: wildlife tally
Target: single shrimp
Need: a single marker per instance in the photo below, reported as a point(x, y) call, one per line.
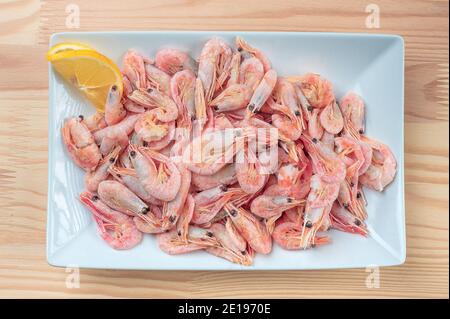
point(286, 126)
point(350, 151)
point(254, 232)
point(157, 79)
point(115, 228)
point(352, 107)
point(134, 69)
point(128, 177)
point(291, 181)
point(228, 236)
point(331, 118)
point(348, 199)
point(262, 91)
point(267, 206)
point(317, 90)
point(249, 51)
point(249, 172)
point(80, 143)
point(235, 65)
point(214, 61)
point(149, 129)
point(233, 246)
point(150, 223)
point(171, 211)
point(225, 176)
point(232, 98)
point(209, 202)
point(211, 151)
point(165, 108)
point(133, 107)
point(120, 198)
point(383, 168)
point(287, 234)
point(114, 138)
point(200, 109)
point(114, 109)
point(313, 221)
point(197, 239)
point(251, 73)
point(315, 128)
point(95, 122)
point(286, 95)
point(93, 178)
point(322, 194)
point(182, 88)
point(172, 61)
point(162, 182)
point(343, 220)
point(185, 216)
point(125, 127)
point(326, 163)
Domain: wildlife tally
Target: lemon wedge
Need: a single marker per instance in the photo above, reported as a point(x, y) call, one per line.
point(90, 72)
point(66, 46)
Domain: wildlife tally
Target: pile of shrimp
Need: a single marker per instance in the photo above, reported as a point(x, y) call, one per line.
point(222, 154)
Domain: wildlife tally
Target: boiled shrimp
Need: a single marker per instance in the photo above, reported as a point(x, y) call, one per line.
point(172, 61)
point(92, 179)
point(254, 232)
point(115, 228)
point(80, 143)
point(162, 182)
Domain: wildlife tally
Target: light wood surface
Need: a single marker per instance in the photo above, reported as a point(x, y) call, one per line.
point(25, 27)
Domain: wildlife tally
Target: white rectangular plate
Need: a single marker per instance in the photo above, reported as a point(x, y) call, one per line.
point(371, 65)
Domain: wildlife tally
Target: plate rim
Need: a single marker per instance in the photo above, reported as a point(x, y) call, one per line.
point(395, 261)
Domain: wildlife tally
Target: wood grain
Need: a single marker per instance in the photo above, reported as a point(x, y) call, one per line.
point(25, 27)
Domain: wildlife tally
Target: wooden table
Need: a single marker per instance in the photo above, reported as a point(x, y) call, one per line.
point(25, 27)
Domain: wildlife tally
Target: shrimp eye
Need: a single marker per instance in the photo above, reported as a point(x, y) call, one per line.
point(80, 117)
point(233, 212)
point(345, 205)
point(361, 131)
point(145, 144)
point(239, 49)
point(243, 252)
point(314, 140)
point(209, 234)
point(113, 88)
point(118, 175)
point(192, 117)
point(172, 218)
point(112, 160)
point(358, 195)
point(310, 108)
point(216, 108)
point(297, 113)
point(289, 200)
point(352, 184)
point(313, 245)
point(145, 210)
point(223, 188)
point(132, 154)
point(149, 90)
point(357, 222)
point(308, 224)
point(95, 198)
point(179, 233)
